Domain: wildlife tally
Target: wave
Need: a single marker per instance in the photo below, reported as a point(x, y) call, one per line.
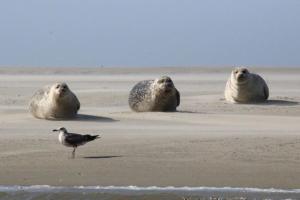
point(48, 188)
point(17, 192)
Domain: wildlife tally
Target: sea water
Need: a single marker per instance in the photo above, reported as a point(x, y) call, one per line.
point(37, 192)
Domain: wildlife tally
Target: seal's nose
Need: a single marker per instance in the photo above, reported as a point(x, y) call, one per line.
point(241, 76)
point(63, 89)
point(169, 84)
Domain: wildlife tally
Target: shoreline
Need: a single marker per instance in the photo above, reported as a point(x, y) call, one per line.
point(134, 188)
point(112, 192)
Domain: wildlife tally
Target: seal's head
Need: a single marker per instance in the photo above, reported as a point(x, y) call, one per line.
point(164, 84)
point(240, 75)
point(59, 90)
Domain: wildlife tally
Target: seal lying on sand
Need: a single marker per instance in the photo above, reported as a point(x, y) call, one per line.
point(154, 95)
point(54, 102)
point(245, 87)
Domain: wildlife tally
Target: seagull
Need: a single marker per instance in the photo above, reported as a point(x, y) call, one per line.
point(73, 139)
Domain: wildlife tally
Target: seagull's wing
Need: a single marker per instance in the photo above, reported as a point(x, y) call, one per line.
point(75, 139)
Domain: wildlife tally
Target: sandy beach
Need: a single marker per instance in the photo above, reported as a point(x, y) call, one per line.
point(208, 142)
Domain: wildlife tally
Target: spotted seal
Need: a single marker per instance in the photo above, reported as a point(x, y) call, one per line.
point(154, 95)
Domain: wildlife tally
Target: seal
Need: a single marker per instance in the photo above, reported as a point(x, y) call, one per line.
point(154, 95)
point(54, 102)
point(245, 87)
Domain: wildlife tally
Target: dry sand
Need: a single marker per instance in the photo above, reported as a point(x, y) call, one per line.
point(207, 143)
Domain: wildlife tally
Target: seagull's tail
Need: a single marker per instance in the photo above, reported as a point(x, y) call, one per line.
point(91, 137)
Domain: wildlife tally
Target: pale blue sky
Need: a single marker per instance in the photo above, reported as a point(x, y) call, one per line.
point(149, 32)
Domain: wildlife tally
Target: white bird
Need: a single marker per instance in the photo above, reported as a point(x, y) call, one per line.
point(73, 139)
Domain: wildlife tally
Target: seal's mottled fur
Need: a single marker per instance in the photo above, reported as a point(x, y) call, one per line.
point(154, 95)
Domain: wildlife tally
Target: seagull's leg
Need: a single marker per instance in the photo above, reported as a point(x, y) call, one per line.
point(73, 152)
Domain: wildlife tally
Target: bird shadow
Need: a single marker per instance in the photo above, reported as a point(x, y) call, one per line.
point(101, 157)
point(84, 117)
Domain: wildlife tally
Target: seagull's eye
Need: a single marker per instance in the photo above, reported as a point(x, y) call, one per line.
point(236, 71)
point(57, 86)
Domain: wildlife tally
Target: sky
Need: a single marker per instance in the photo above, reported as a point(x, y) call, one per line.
point(149, 32)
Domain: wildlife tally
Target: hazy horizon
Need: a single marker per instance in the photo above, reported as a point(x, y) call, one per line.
point(150, 33)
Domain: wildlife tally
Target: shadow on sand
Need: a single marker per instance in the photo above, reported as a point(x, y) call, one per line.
point(271, 102)
point(101, 157)
point(190, 112)
point(280, 103)
point(94, 118)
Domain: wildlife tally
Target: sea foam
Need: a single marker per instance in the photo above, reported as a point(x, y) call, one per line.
point(41, 188)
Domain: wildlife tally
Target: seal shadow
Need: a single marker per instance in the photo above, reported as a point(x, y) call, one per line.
point(101, 157)
point(270, 102)
point(280, 102)
point(94, 118)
